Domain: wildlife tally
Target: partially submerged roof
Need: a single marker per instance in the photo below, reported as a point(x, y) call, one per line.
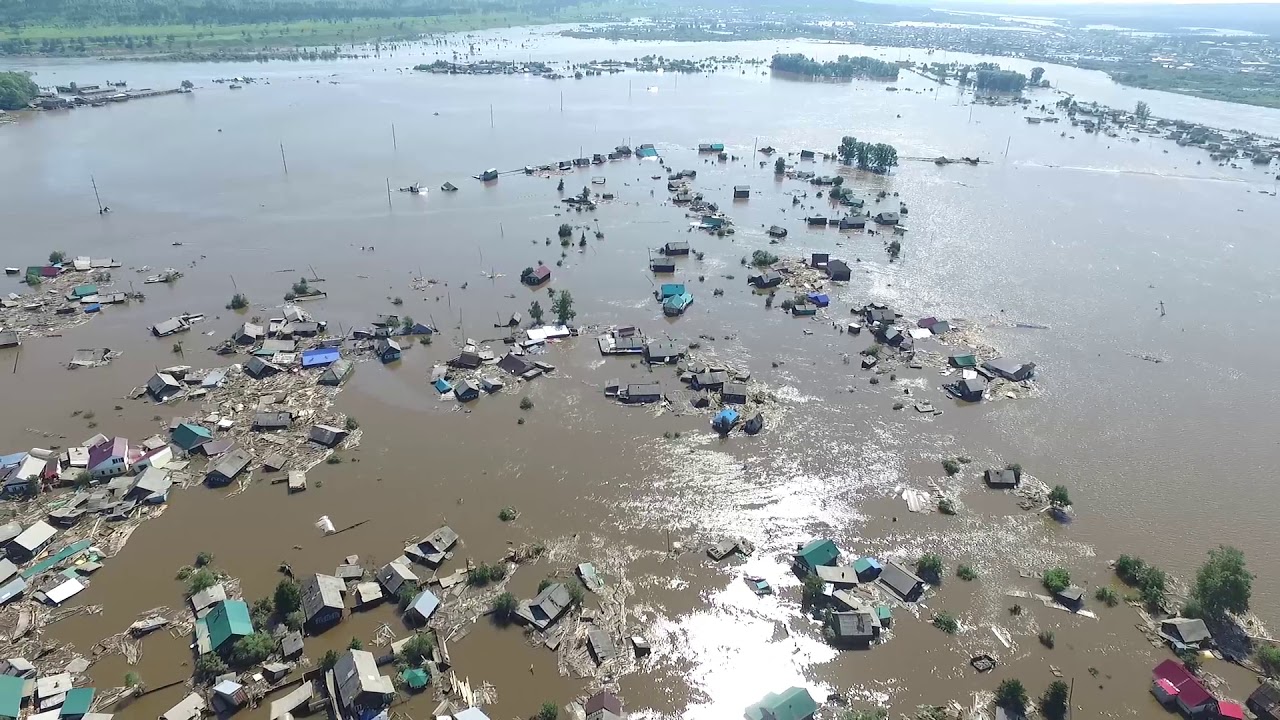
point(791, 704)
point(356, 674)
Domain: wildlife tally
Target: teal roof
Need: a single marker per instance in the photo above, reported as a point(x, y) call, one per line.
point(189, 435)
point(10, 696)
point(77, 702)
point(229, 620)
point(884, 612)
point(66, 552)
point(790, 704)
point(669, 289)
point(81, 291)
point(818, 552)
point(415, 678)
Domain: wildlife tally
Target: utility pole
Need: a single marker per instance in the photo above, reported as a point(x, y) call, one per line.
point(389, 195)
point(490, 117)
point(95, 193)
point(393, 137)
point(284, 161)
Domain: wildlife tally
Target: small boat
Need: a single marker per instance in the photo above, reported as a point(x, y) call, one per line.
point(236, 87)
point(11, 271)
point(176, 244)
point(754, 425)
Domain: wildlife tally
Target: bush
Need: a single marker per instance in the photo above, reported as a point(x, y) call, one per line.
point(1130, 569)
point(1046, 638)
point(946, 622)
point(1010, 695)
point(355, 644)
point(1056, 580)
point(1269, 658)
point(1190, 660)
point(1107, 596)
point(873, 350)
point(565, 230)
point(1058, 497)
point(576, 593)
point(811, 592)
point(404, 597)
point(548, 711)
point(1053, 704)
point(261, 611)
point(208, 667)
point(946, 506)
point(203, 559)
point(504, 608)
point(951, 466)
point(201, 579)
point(929, 567)
point(83, 479)
point(238, 302)
point(507, 514)
point(1152, 587)
point(252, 649)
point(329, 659)
point(484, 573)
point(526, 403)
point(56, 257)
point(762, 258)
point(333, 460)
point(416, 651)
point(295, 620)
point(1191, 608)
point(966, 573)
point(351, 424)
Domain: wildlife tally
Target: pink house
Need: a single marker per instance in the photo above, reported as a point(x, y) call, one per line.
point(1173, 684)
point(109, 459)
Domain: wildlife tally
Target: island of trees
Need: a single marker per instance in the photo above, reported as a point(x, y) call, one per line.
point(1000, 80)
point(16, 90)
point(843, 67)
point(876, 157)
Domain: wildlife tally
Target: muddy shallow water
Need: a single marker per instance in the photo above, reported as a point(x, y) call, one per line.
point(1081, 238)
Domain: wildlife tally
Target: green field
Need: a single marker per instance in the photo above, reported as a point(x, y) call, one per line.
point(188, 40)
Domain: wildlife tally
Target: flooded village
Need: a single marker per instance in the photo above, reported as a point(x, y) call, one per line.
point(631, 396)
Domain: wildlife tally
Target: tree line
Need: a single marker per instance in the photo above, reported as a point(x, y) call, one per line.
point(1000, 80)
point(876, 157)
point(16, 13)
point(16, 90)
point(843, 67)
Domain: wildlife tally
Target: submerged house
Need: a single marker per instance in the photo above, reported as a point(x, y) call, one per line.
point(741, 192)
point(838, 270)
point(1006, 479)
point(466, 391)
point(1009, 369)
point(163, 386)
point(816, 553)
point(853, 629)
point(546, 607)
point(766, 279)
point(363, 692)
point(540, 274)
point(190, 436)
point(322, 603)
point(1183, 633)
point(969, 389)
point(1175, 686)
point(662, 351)
point(904, 583)
point(326, 435)
point(679, 247)
point(229, 466)
point(791, 704)
point(109, 459)
point(227, 622)
point(387, 350)
point(337, 372)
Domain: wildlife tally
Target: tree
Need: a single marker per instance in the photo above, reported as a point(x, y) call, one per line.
point(1053, 704)
point(204, 559)
point(187, 85)
point(563, 307)
point(811, 591)
point(33, 486)
point(548, 711)
point(355, 644)
point(209, 666)
point(929, 566)
point(260, 612)
point(1142, 112)
point(504, 608)
point(417, 650)
point(83, 479)
point(780, 166)
point(288, 596)
point(1058, 497)
point(566, 230)
point(895, 250)
point(526, 274)
point(252, 649)
point(1011, 696)
point(238, 302)
point(329, 660)
point(1036, 73)
point(1056, 580)
point(56, 257)
point(1223, 585)
point(848, 149)
point(535, 309)
point(16, 90)
point(1269, 658)
point(295, 620)
point(201, 579)
point(763, 258)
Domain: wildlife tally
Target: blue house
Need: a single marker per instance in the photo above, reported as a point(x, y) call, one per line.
point(442, 386)
point(319, 357)
point(819, 299)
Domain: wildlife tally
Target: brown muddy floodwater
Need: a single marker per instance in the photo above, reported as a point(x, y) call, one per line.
point(1059, 251)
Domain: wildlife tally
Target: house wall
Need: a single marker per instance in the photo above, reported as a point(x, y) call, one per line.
point(110, 468)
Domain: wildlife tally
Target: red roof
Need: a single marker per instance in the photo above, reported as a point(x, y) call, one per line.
point(1230, 710)
point(1190, 692)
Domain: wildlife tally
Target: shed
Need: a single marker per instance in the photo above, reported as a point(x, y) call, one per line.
point(904, 583)
point(367, 594)
point(326, 435)
point(741, 192)
point(1071, 597)
point(423, 606)
point(1003, 479)
point(291, 644)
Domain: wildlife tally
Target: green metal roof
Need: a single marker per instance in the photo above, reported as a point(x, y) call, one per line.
point(63, 554)
point(884, 612)
point(228, 621)
point(188, 435)
point(790, 704)
point(415, 678)
point(818, 552)
point(77, 702)
point(964, 361)
point(85, 290)
point(10, 696)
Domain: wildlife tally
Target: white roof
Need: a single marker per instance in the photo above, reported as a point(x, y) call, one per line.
point(35, 536)
point(191, 707)
point(46, 715)
point(29, 468)
point(78, 457)
point(283, 706)
point(53, 685)
point(546, 332)
point(64, 592)
point(471, 714)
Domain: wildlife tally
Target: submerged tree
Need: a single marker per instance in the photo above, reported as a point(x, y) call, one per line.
point(563, 307)
point(1142, 112)
point(1036, 73)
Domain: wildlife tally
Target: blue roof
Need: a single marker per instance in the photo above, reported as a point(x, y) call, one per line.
point(647, 152)
point(10, 460)
point(726, 418)
point(442, 385)
point(319, 356)
point(819, 299)
point(669, 289)
point(92, 307)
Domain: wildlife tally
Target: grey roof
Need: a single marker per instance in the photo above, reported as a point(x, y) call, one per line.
point(337, 371)
point(233, 463)
point(711, 378)
point(153, 481)
point(900, 580)
point(326, 435)
point(272, 420)
point(1188, 630)
point(249, 331)
point(291, 644)
point(1071, 594)
point(383, 345)
point(663, 348)
point(840, 575)
point(320, 592)
point(34, 537)
point(1002, 478)
point(644, 390)
point(256, 367)
point(855, 625)
point(601, 645)
point(515, 364)
point(356, 673)
point(161, 385)
point(974, 386)
point(275, 345)
point(547, 606)
point(168, 327)
point(393, 576)
point(442, 539)
point(1008, 368)
point(733, 390)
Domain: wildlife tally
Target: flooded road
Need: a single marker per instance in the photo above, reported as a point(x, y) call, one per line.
point(1080, 238)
